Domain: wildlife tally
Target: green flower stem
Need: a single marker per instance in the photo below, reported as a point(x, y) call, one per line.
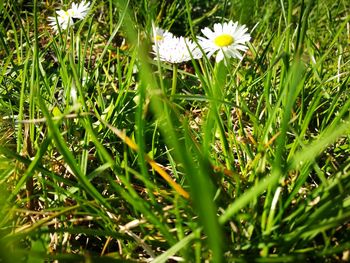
point(174, 82)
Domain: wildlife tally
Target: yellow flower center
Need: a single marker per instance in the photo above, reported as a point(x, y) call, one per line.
point(159, 38)
point(66, 14)
point(223, 40)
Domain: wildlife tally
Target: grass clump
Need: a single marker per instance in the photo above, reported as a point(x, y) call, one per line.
point(108, 154)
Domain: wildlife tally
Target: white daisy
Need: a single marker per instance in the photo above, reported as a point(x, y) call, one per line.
point(65, 19)
point(176, 50)
point(227, 39)
point(79, 11)
point(160, 34)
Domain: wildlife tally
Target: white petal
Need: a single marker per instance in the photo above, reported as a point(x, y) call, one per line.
point(219, 56)
point(208, 33)
point(240, 47)
point(218, 29)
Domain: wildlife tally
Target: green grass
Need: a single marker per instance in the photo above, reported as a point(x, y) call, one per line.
point(102, 160)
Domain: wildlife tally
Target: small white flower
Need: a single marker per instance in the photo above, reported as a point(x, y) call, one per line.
point(65, 19)
point(227, 39)
point(176, 50)
point(79, 11)
point(160, 34)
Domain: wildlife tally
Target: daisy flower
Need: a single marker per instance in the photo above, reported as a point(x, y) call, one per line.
point(160, 34)
point(176, 50)
point(65, 19)
point(227, 39)
point(79, 11)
